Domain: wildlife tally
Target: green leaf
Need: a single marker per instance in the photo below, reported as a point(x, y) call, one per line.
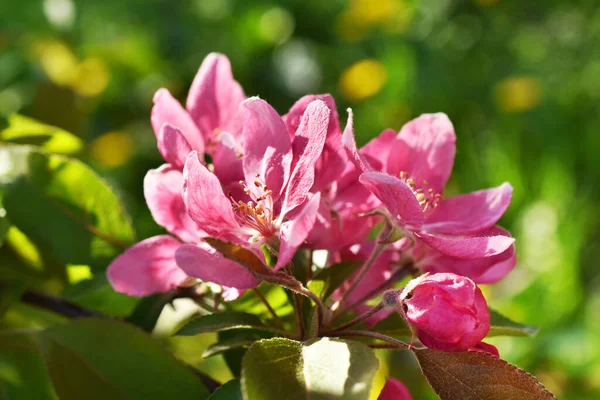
point(63, 206)
point(10, 293)
point(105, 359)
point(321, 369)
point(98, 295)
point(22, 370)
point(229, 391)
point(477, 375)
point(503, 326)
point(250, 303)
point(243, 338)
point(23, 130)
point(220, 322)
point(146, 313)
point(332, 277)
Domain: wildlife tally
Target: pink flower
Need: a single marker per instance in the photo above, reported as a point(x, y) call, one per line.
point(416, 169)
point(486, 348)
point(448, 311)
point(273, 206)
point(394, 390)
point(150, 266)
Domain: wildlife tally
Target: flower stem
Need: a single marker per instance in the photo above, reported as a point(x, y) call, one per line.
point(374, 335)
point(264, 300)
point(361, 274)
point(360, 318)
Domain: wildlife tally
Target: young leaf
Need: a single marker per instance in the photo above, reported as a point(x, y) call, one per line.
point(220, 322)
point(321, 369)
point(103, 359)
point(229, 391)
point(333, 277)
point(503, 326)
point(62, 205)
point(242, 339)
point(478, 376)
point(23, 130)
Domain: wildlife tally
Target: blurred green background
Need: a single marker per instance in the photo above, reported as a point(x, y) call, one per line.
point(520, 80)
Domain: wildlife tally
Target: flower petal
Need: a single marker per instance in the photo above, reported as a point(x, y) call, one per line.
point(471, 212)
point(173, 146)
point(468, 247)
point(214, 97)
point(267, 147)
point(204, 262)
point(425, 150)
point(162, 190)
point(397, 197)
point(307, 146)
point(167, 110)
point(203, 196)
point(226, 161)
point(378, 149)
point(349, 144)
point(294, 232)
point(394, 390)
point(147, 267)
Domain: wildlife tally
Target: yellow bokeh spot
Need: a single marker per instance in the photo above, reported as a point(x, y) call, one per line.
point(353, 23)
point(518, 94)
point(91, 77)
point(362, 79)
point(78, 273)
point(58, 61)
point(112, 149)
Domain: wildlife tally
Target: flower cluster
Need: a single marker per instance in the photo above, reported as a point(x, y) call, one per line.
point(238, 171)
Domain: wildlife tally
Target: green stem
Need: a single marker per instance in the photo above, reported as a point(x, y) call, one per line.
point(264, 300)
point(360, 318)
point(397, 343)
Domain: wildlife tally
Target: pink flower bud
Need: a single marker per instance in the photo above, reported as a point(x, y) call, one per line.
point(448, 311)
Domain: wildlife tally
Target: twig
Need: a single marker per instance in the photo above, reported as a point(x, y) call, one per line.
point(374, 335)
point(58, 306)
point(360, 318)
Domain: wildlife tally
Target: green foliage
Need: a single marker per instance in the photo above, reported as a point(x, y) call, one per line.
point(63, 206)
point(220, 322)
point(23, 130)
point(319, 369)
point(503, 326)
point(330, 278)
point(97, 359)
point(229, 391)
point(477, 375)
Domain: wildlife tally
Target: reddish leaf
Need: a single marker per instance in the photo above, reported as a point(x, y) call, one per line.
point(475, 375)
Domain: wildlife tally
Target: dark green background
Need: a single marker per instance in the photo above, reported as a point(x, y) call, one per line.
point(520, 80)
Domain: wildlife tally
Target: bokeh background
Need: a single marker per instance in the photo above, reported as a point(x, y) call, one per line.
point(520, 80)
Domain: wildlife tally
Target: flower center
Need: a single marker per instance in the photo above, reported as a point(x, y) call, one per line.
point(427, 198)
point(257, 213)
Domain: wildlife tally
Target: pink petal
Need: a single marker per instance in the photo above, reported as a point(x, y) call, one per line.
point(333, 157)
point(162, 189)
point(307, 146)
point(377, 150)
point(294, 232)
point(397, 197)
point(468, 247)
point(203, 196)
point(205, 263)
point(471, 212)
point(214, 97)
point(349, 144)
point(146, 268)
point(425, 150)
point(173, 146)
point(267, 147)
point(167, 110)
point(394, 390)
point(227, 162)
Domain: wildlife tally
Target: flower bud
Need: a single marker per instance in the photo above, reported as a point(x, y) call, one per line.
point(448, 311)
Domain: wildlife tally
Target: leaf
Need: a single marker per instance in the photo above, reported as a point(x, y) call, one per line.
point(242, 339)
point(105, 359)
point(146, 313)
point(332, 277)
point(23, 130)
point(63, 206)
point(98, 295)
point(475, 375)
point(229, 391)
point(321, 369)
point(503, 326)
point(10, 293)
point(239, 254)
point(22, 371)
point(250, 303)
point(220, 322)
